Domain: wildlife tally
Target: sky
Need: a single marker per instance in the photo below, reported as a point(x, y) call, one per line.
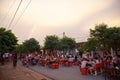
point(40, 18)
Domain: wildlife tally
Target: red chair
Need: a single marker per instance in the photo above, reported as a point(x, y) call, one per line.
point(68, 64)
point(56, 65)
point(76, 63)
point(60, 61)
point(53, 65)
point(83, 71)
point(97, 68)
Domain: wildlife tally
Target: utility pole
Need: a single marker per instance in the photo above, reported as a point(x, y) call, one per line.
point(63, 34)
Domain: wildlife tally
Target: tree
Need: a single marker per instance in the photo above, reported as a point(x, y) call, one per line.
point(67, 43)
point(31, 45)
point(107, 37)
point(83, 48)
point(8, 40)
point(114, 38)
point(20, 48)
point(100, 33)
point(90, 45)
point(51, 43)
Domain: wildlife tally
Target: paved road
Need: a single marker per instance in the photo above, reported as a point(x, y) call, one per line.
point(7, 72)
point(65, 73)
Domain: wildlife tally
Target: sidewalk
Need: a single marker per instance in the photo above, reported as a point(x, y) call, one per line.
point(7, 72)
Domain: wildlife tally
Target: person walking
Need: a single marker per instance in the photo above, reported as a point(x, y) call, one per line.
point(14, 60)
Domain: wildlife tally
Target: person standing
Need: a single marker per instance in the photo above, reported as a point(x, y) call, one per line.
point(14, 60)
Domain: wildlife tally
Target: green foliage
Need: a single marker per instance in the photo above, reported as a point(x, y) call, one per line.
point(20, 48)
point(100, 33)
point(67, 43)
point(51, 42)
point(54, 43)
point(90, 45)
point(31, 45)
point(83, 48)
point(113, 38)
point(8, 40)
point(107, 37)
point(103, 38)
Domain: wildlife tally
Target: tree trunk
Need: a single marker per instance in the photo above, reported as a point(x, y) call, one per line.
point(1, 59)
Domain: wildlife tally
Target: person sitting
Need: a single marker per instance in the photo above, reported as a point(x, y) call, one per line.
point(71, 59)
point(84, 63)
point(91, 66)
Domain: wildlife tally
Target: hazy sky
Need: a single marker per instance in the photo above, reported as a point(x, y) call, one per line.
point(49, 17)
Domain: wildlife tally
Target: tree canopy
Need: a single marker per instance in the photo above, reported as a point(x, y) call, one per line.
point(113, 38)
point(67, 43)
point(100, 33)
point(51, 42)
point(8, 40)
point(104, 38)
point(107, 37)
point(20, 48)
point(90, 45)
point(31, 45)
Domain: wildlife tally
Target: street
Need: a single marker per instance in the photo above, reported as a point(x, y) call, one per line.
point(65, 73)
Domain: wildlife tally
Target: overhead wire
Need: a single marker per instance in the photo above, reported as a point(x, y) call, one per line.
point(21, 14)
point(4, 17)
point(14, 15)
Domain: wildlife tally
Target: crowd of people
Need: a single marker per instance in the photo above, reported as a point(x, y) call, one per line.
point(90, 64)
point(45, 60)
point(95, 64)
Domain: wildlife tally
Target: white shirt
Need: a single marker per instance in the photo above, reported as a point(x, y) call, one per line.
point(83, 64)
